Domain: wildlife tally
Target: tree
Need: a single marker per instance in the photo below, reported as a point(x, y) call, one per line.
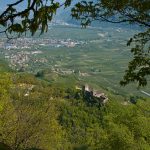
point(27, 122)
point(123, 11)
point(113, 127)
point(37, 13)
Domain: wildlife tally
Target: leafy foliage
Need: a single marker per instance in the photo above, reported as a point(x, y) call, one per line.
point(28, 121)
point(139, 67)
point(35, 16)
point(35, 115)
point(124, 11)
point(112, 127)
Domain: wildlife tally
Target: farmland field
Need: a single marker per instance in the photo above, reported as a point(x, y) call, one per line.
point(97, 56)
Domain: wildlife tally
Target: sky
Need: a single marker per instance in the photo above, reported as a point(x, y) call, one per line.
point(3, 3)
point(20, 7)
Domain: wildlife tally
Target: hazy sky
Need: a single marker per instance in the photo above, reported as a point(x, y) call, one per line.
point(3, 3)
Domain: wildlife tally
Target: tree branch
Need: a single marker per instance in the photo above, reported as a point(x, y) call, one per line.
point(9, 7)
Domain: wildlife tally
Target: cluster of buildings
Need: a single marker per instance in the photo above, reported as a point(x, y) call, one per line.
point(20, 60)
point(28, 43)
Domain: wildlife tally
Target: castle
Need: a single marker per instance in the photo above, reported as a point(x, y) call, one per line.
point(95, 95)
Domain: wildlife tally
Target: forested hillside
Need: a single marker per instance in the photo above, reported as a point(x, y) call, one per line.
point(36, 114)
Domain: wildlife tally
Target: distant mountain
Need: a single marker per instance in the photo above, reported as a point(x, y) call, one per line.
point(64, 15)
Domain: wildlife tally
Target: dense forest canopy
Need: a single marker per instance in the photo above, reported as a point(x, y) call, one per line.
point(36, 115)
point(36, 14)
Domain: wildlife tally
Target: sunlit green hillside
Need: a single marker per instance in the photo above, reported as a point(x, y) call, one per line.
point(42, 115)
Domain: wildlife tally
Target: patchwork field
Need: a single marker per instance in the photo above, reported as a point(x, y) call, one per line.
point(97, 56)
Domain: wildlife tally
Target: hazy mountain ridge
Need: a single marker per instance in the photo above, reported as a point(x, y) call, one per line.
point(64, 15)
